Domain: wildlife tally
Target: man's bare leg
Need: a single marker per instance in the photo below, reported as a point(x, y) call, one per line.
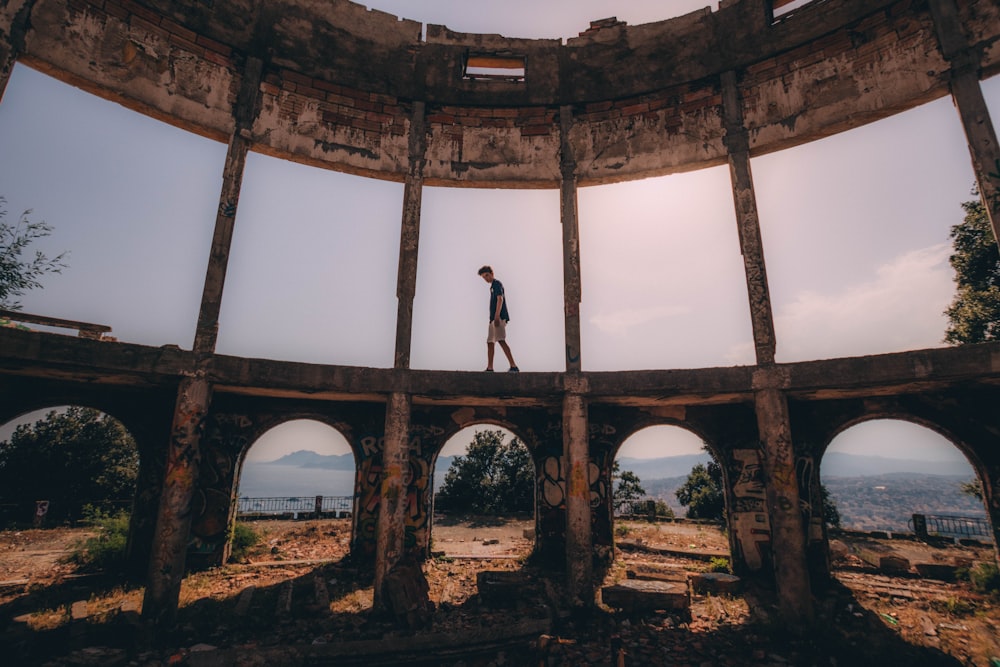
point(490, 348)
point(506, 350)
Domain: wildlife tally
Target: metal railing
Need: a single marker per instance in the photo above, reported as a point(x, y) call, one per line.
point(954, 526)
point(295, 505)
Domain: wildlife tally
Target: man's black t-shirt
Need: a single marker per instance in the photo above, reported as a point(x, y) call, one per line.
point(496, 289)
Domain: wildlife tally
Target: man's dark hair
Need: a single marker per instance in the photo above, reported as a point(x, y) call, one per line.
point(486, 268)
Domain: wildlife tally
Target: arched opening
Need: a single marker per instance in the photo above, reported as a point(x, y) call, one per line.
point(880, 473)
point(667, 495)
point(68, 481)
point(63, 465)
point(304, 471)
point(484, 495)
point(292, 464)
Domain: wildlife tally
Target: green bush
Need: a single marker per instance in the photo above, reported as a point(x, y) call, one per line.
point(244, 539)
point(985, 578)
point(718, 564)
point(105, 551)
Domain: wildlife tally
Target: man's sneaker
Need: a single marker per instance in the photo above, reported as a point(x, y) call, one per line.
point(514, 369)
point(488, 370)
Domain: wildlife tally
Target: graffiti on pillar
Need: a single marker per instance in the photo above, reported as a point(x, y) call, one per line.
point(749, 521)
point(226, 436)
point(602, 451)
point(424, 443)
point(552, 487)
point(809, 503)
point(368, 494)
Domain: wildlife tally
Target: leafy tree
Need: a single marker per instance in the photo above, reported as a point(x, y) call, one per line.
point(627, 487)
point(830, 512)
point(71, 458)
point(494, 477)
point(974, 489)
point(17, 274)
point(701, 492)
point(974, 313)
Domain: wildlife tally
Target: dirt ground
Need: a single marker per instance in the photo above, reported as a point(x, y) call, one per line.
point(295, 589)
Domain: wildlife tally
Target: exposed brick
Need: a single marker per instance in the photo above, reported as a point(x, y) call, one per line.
point(176, 28)
point(186, 44)
point(219, 59)
point(535, 130)
point(138, 23)
point(116, 10)
point(469, 121)
point(212, 45)
point(367, 105)
point(334, 118)
point(363, 124)
point(443, 118)
point(378, 117)
point(598, 106)
point(496, 122)
point(135, 9)
point(295, 77)
point(633, 109)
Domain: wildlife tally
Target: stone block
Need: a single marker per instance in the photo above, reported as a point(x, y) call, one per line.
point(716, 583)
point(500, 588)
point(940, 571)
point(636, 595)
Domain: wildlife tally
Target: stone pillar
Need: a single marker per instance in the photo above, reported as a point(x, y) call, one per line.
point(406, 280)
point(244, 112)
point(173, 520)
point(781, 488)
point(579, 540)
point(572, 292)
point(390, 527)
point(747, 221)
point(967, 95)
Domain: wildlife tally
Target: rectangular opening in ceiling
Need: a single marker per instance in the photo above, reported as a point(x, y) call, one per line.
point(780, 9)
point(494, 67)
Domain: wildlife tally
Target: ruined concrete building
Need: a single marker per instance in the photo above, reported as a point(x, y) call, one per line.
point(363, 92)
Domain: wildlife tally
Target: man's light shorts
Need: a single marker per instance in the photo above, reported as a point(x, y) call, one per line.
point(497, 332)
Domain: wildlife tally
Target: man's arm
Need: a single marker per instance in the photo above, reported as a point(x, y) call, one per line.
point(496, 315)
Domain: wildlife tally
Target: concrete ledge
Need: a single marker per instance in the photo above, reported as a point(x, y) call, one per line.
point(635, 595)
point(716, 582)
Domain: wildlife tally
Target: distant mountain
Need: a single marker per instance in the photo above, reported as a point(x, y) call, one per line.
point(836, 464)
point(667, 466)
point(307, 459)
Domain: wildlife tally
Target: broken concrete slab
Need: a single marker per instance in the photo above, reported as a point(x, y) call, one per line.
point(636, 595)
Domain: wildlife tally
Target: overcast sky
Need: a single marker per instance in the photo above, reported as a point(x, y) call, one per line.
point(855, 231)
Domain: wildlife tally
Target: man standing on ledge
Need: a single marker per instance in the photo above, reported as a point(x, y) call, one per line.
point(498, 321)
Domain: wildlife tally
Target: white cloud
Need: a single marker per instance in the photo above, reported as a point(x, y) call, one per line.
point(621, 322)
point(901, 309)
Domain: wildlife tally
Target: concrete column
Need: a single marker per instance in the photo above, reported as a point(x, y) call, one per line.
point(390, 527)
point(579, 540)
point(572, 292)
point(967, 94)
point(173, 520)
point(244, 112)
point(406, 277)
point(747, 221)
point(781, 488)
